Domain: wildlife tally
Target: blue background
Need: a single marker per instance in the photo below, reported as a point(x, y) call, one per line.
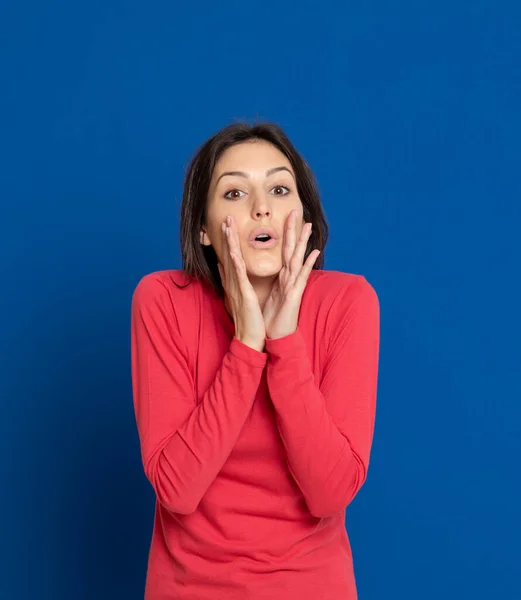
point(409, 114)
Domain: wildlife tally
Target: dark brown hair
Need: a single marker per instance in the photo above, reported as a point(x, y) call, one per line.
point(199, 261)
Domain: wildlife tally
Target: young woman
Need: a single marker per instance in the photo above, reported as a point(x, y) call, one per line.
point(254, 377)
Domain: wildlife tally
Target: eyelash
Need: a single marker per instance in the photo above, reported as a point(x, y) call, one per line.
point(277, 186)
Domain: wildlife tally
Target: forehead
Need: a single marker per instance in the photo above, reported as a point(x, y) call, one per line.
point(251, 156)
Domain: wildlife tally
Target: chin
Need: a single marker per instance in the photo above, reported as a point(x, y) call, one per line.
point(264, 267)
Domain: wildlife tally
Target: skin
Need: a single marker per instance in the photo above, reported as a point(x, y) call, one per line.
point(242, 203)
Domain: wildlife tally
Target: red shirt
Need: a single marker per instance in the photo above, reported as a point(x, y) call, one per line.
point(253, 456)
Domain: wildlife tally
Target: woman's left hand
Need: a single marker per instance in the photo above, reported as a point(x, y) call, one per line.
point(282, 307)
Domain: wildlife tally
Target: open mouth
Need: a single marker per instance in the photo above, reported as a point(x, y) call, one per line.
point(263, 241)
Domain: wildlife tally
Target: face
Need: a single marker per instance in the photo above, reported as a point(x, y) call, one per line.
point(261, 192)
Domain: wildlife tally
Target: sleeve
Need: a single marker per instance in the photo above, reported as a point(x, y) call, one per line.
point(327, 429)
point(183, 444)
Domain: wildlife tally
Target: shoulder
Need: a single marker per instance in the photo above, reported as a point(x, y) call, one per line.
point(340, 288)
point(173, 286)
point(341, 304)
point(167, 305)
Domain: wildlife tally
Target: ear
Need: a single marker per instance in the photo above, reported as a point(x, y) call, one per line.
point(203, 237)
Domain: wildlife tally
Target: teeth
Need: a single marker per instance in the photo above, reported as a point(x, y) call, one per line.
point(263, 238)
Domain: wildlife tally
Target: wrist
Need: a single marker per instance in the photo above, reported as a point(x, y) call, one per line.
point(255, 344)
point(275, 335)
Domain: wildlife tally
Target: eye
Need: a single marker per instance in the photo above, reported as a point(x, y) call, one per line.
point(227, 195)
point(281, 187)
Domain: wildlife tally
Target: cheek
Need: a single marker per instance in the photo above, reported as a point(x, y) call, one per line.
point(218, 242)
point(213, 223)
point(299, 207)
point(299, 222)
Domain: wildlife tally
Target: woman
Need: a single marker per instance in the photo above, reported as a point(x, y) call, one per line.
point(254, 377)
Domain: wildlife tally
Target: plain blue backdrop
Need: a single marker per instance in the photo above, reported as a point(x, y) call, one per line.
point(409, 115)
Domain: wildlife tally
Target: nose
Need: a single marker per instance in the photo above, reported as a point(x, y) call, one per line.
point(261, 207)
point(261, 213)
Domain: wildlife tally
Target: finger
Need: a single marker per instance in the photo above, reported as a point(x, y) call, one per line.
point(227, 260)
point(241, 275)
point(289, 237)
point(226, 249)
point(236, 255)
point(235, 245)
point(307, 267)
point(300, 250)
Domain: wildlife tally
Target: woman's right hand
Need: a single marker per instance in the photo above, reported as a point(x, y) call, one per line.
point(242, 298)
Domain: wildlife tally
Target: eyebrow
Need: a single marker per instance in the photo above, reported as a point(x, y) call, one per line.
point(243, 174)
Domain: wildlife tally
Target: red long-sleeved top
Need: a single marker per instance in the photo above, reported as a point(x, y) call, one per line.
point(253, 456)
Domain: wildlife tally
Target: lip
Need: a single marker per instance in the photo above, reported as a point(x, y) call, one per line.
point(269, 244)
point(259, 231)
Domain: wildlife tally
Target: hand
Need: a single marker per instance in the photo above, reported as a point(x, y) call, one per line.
point(243, 300)
point(282, 307)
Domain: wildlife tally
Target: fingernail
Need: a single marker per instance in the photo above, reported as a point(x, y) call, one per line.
point(228, 220)
point(223, 227)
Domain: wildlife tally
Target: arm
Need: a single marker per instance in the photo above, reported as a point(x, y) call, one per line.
point(184, 445)
point(327, 429)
